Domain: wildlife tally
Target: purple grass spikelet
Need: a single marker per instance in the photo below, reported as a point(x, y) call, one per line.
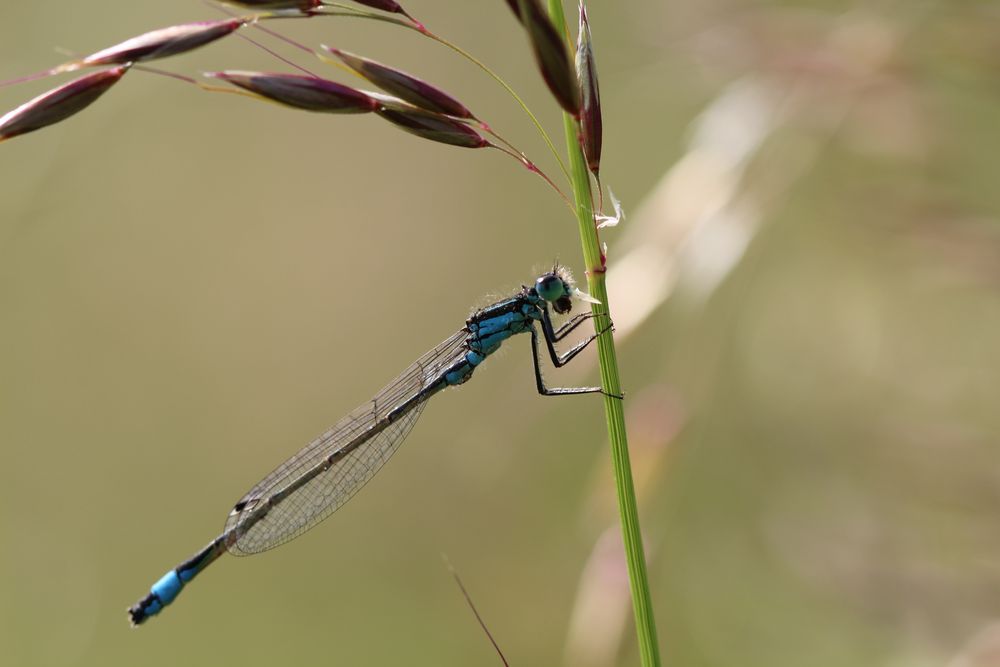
point(432, 126)
point(59, 103)
point(405, 86)
point(552, 55)
point(515, 7)
point(308, 93)
point(591, 126)
point(386, 6)
point(162, 43)
point(389, 102)
point(301, 5)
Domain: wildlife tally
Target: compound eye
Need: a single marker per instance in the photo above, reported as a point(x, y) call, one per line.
point(550, 287)
point(562, 305)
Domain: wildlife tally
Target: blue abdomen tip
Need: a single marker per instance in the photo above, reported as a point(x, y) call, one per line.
point(167, 588)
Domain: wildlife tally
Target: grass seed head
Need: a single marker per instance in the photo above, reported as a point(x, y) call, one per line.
point(164, 42)
point(403, 85)
point(552, 55)
point(301, 5)
point(515, 7)
point(591, 126)
point(309, 93)
point(59, 103)
point(385, 5)
point(388, 6)
point(432, 126)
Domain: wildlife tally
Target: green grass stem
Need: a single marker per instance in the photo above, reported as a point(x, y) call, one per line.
point(642, 605)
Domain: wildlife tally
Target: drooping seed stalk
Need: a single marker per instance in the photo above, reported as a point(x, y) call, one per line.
point(274, 54)
point(530, 166)
point(510, 91)
point(339, 9)
point(525, 161)
point(331, 9)
point(594, 258)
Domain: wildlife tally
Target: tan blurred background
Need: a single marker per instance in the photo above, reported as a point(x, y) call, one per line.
point(807, 296)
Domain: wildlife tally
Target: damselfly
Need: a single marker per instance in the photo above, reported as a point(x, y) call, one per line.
point(318, 480)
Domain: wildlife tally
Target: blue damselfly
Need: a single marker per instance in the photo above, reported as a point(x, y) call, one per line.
point(324, 475)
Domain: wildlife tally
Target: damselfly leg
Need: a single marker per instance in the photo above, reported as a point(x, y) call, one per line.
point(552, 336)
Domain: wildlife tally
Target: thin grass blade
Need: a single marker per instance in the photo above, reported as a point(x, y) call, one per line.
point(59, 103)
point(300, 92)
point(403, 85)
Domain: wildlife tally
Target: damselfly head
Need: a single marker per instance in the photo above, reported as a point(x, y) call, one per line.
point(557, 288)
point(554, 288)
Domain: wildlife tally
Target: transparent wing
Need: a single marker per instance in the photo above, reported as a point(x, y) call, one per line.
point(327, 490)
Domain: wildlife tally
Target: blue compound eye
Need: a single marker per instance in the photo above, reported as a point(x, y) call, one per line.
point(550, 287)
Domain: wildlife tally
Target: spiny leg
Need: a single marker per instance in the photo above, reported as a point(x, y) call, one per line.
point(551, 337)
point(569, 325)
point(536, 359)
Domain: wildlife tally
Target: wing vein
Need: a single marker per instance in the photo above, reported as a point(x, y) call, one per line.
point(327, 472)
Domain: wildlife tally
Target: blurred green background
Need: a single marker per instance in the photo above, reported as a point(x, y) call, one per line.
point(806, 291)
